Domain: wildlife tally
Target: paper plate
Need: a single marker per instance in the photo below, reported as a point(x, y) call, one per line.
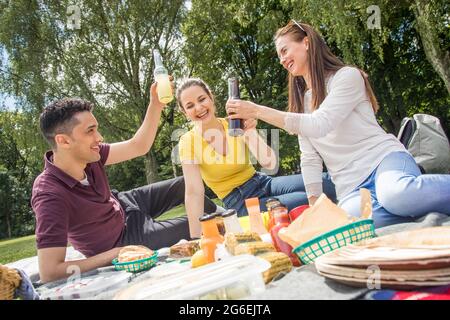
point(419, 249)
point(390, 258)
point(384, 284)
point(442, 274)
point(426, 238)
point(404, 260)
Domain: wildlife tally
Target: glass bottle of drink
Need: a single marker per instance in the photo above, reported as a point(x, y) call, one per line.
point(270, 203)
point(281, 220)
point(164, 89)
point(210, 236)
point(231, 221)
point(235, 126)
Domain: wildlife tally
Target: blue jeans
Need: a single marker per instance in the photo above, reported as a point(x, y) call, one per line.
point(400, 193)
point(290, 190)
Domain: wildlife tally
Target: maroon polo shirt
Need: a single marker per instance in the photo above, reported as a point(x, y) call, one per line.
point(88, 217)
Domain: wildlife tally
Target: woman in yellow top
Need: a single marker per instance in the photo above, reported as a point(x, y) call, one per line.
point(209, 154)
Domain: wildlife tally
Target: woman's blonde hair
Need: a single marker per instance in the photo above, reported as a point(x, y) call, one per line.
point(322, 63)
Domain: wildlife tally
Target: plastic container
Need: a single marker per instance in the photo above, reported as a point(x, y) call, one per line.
point(236, 277)
point(297, 211)
point(337, 238)
point(85, 286)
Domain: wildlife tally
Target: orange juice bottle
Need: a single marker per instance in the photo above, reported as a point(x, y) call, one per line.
point(210, 236)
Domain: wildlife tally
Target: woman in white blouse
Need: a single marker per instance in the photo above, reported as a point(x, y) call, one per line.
point(332, 109)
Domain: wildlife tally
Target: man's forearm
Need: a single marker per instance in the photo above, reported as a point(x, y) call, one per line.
point(68, 268)
point(145, 135)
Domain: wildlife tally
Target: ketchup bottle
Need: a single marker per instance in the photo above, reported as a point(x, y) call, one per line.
point(281, 220)
point(210, 236)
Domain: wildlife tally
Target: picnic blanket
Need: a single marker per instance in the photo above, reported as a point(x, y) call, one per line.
point(303, 283)
point(31, 266)
point(436, 293)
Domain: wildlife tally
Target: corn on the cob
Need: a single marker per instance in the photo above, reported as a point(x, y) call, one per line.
point(233, 239)
point(279, 261)
point(254, 248)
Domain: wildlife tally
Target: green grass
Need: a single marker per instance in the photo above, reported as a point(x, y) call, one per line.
point(15, 249)
point(181, 211)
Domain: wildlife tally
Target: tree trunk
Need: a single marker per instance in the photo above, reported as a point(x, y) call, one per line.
point(151, 168)
point(174, 169)
point(8, 223)
point(438, 57)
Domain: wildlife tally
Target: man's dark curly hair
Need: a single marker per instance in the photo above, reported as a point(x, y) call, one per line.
point(59, 117)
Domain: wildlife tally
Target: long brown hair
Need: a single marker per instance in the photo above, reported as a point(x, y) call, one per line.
point(322, 63)
point(191, 82)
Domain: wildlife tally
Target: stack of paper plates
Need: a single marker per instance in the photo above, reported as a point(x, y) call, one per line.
point(403, 260)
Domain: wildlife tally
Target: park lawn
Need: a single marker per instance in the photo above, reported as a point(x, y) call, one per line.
point(15, 249)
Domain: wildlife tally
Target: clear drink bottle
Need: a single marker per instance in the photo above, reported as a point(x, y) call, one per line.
point(164, 89)
point(231, 221)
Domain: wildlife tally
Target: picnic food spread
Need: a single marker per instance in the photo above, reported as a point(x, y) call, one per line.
point(253, 260)
point(269, 248)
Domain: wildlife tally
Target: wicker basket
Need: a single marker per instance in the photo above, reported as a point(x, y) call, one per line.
point(9, 280)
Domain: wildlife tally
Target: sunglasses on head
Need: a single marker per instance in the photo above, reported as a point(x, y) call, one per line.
point(298, 25)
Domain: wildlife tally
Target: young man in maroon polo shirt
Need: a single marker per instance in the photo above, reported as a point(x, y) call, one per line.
point(73, 202)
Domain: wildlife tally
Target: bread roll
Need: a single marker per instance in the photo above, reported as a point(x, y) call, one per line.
point(133, 252)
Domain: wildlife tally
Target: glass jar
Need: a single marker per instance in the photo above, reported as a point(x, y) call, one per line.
point(281, 220)
point(231, 221)
point(210, 236)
